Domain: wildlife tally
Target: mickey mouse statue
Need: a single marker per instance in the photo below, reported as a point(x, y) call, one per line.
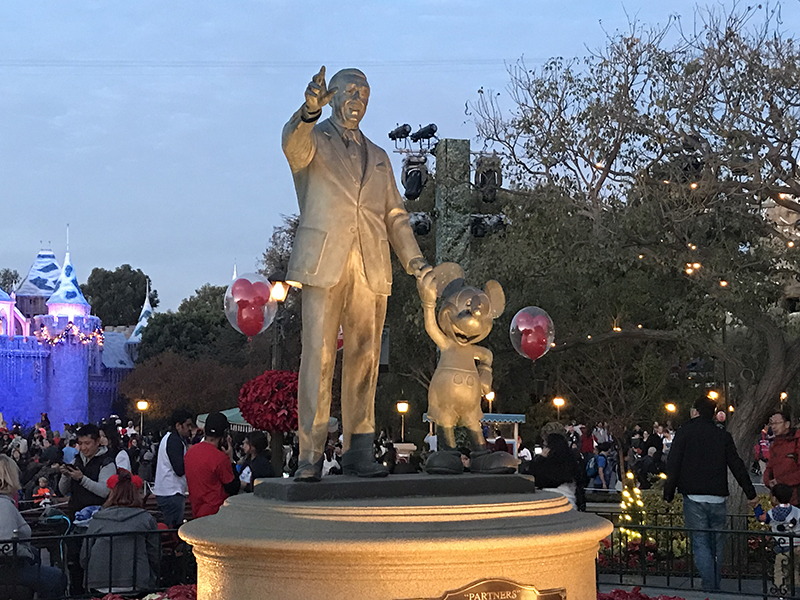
point(464, 372)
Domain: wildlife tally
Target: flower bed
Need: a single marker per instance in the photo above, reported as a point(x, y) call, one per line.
point(635, 594)
point(176, 592)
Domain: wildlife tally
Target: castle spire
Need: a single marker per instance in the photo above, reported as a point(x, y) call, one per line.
point(67, 298)
point(42, 276)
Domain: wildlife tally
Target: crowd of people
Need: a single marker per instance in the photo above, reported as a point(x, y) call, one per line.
point(98, 478)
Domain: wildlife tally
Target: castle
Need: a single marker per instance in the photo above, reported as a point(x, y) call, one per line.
point(55, 356)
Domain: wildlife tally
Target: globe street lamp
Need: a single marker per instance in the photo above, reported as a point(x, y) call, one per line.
point(490, 398)
point(142, 405)
point(402, 408)
point(558, 402)
point(278, 293)
point(670, 407)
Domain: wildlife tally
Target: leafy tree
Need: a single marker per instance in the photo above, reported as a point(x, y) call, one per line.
point(678, 161)
point(199, 329)
point(276, 257)
point(117, 296)
point(171, 380)
point(208, 299)
point(8, 279)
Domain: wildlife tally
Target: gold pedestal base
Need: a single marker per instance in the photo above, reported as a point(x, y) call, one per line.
point(393, 548)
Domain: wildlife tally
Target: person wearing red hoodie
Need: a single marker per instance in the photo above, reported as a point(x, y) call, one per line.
point(783, 465)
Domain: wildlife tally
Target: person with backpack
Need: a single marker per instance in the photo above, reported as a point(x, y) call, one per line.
point(598, 468)
point(784, 455)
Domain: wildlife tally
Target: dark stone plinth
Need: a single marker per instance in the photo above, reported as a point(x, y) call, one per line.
point(341, 487)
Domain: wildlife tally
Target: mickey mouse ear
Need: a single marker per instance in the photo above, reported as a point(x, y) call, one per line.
point(445, 274)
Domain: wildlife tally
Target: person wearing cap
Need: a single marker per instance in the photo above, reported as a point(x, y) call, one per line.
point(209, 469)
point(257, 462)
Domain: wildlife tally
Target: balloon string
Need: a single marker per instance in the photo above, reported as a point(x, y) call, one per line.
point(249, 340)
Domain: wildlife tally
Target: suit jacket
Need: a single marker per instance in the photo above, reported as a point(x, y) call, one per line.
point(341, 206)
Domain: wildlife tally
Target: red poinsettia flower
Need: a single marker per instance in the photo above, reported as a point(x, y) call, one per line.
point(269, 401)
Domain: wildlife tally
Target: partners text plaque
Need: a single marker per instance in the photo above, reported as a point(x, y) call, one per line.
point(500, 589)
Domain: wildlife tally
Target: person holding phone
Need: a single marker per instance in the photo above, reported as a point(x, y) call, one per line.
point(85, 481)
point(209, 468)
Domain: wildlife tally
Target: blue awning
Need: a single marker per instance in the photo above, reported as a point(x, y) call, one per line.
point(491, 418)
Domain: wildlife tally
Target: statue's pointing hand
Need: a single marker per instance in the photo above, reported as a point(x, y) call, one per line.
point(317, 92)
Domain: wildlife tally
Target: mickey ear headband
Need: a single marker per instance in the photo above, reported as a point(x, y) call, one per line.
point(123, 475)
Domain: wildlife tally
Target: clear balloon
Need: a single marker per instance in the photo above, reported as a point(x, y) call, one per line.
point(532, 332)
point(249, 306)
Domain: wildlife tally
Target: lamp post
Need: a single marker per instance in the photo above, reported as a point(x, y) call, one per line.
point(142, 405)
point(670, 407)
point(558, 402)
point(490, 398)
point(278, 293)
point(402, 408)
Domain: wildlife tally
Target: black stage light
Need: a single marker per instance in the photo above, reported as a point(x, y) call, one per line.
point(400, 133)
point(482, 225)
point(424, 133)
point(488, 176)
point(414, 175)
point(420, 222)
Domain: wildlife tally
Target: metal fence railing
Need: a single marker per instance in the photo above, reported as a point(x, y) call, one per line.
point(755, 562)
point(93, 565)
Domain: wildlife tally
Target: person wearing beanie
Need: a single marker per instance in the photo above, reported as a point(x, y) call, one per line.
point(209, 468)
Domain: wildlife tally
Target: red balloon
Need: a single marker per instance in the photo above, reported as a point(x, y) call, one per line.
point(261, 293)
point(534, 342)
point(250, 319)
point(539, 322)
point(242, 289)
point(525, 321)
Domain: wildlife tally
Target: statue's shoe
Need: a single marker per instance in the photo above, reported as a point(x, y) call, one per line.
point(493, 463)
point(359, 459)
point(307, 472)
point(366, 468)
point(444, 462)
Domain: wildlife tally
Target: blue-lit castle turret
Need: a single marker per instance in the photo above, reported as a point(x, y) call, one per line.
point(60, 362)
point(73, 336)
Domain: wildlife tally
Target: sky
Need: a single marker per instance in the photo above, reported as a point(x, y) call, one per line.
point(153, 128)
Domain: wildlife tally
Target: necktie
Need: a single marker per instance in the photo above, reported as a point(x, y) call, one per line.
point(351, 135)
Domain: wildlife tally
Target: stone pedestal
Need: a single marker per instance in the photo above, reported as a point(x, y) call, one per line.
point(405, 537)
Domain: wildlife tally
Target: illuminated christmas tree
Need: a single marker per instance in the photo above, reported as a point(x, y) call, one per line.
point(632, 508)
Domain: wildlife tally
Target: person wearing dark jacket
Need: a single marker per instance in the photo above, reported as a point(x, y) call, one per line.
point(258, 458)
point(122, 563)
point(85, 481)
point(558, 468)
point(697, 467)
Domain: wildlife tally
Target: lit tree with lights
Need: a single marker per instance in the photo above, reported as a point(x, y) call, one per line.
point(632, 508)
point(669, 172)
